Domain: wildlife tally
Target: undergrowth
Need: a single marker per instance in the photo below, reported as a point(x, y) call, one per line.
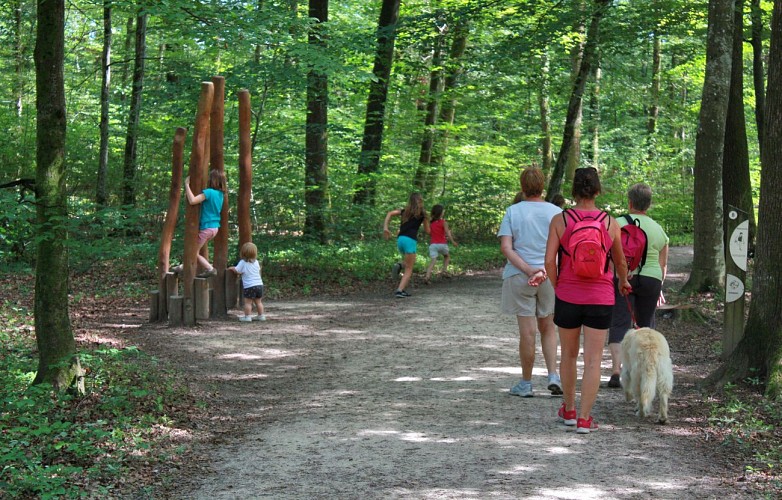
point(102, 444)
point(751, 425)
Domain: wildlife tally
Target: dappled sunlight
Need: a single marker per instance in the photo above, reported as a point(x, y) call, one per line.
point(582, 492)
point(558, 450)
point(123, 326)
point(264, 354)
point(519, 469)
point(249, 376)
point(455, 379)
point(376, 432)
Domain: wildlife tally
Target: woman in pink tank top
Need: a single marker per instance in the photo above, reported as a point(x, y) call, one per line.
point(582, 302)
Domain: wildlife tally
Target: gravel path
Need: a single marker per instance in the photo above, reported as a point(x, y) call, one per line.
point(375, 397)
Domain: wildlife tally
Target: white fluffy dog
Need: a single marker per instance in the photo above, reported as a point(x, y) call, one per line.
point(646, 370)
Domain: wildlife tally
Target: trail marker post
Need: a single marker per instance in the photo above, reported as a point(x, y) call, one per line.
point(735, 278)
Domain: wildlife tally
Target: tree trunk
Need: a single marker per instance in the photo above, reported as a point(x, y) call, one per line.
point(654, 105)
point(594, 116)
point(372, 143)
point(545, 114)
point(101, 194)
point(574, 105)
point(577, 56)
point(316, 176)
point(19, 58)
point(57, 362)
point(736, 183)
point(129, 35)
point(453, 70)
point(760, 351)
point(131, 139)
point(757, 67)
point(432, 99)
point(708, 267)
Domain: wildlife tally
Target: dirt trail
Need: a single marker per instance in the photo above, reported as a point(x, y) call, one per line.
point(376, 397)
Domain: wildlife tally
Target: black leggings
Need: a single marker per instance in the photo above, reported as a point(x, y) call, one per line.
point(643, 299)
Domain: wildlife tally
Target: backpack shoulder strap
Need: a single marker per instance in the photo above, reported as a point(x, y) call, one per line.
point(602, 216)
point(573, 215)
point(629, 219)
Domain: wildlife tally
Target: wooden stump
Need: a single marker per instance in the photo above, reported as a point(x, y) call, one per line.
point(188, 313)
point(201, 296)
point(172, 288)
point(231, 290)
point(176, 310)
point(154, 303)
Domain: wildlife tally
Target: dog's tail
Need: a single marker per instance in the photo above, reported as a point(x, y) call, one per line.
point(648, 381)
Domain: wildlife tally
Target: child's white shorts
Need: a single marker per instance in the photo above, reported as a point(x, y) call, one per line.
point(436, 249)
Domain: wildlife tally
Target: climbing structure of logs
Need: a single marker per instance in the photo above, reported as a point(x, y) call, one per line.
point(182, 298)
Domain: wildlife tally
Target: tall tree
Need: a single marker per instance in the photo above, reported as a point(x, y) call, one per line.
point(577, 56)
point(19, 58)
point(736, 183)
point(654, 104)
point(57, 363)
point(432, 102)
point(316, 167)
point(372, 143)
point(759, 353)
point(594, 115)
point(757, 66)
point(131, 139)
point(574, 105)
point(453, 70)
point(101, 195)
point(547, 156)
point(708, 266)
point(129, 36)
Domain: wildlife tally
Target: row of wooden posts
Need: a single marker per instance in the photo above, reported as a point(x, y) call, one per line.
point(203, 298)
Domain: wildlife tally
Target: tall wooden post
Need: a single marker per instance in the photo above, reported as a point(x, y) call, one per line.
point(193, 212)
point(245, 169)
point(216, 153)
point(169, 225)
point(735, 278)
point(245, 172)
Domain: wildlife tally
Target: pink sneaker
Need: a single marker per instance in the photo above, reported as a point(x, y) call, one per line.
point(585, 426)
point(568, 417)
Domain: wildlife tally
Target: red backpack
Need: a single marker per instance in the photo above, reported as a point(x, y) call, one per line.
point(588, 245)
point(634, 243)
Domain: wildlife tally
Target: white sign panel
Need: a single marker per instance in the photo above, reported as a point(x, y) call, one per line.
point(738, 245)
point(734, 288)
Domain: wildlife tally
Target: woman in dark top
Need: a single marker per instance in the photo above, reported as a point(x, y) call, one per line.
point(413, 215)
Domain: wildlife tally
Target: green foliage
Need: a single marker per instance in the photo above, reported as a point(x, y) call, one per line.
point(17, 221)
point(59, 445)
point(748, 421)
point(294, 267)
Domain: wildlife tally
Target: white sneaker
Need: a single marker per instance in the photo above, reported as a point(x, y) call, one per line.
point(260, 317)
point(245, 318)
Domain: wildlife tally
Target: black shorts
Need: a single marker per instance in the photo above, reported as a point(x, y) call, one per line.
point(567, 315)
point(253, 292)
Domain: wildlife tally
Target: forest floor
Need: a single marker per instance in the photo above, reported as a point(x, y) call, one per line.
point(367, 396)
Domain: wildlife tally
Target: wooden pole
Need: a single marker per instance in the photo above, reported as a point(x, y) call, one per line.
point(193, 212)
point(169, 225)
point(216, 153)
point(245, 169)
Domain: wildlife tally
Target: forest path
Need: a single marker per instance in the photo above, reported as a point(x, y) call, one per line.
point(375, 397)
